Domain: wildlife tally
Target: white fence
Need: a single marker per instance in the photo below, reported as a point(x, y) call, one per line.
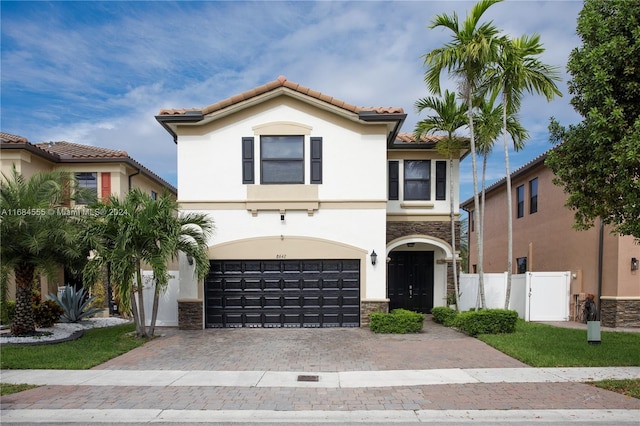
point(167, 303)
point(536, 296)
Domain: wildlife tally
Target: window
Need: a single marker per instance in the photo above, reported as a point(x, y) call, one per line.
point(520, 200)
point(394, 180)
point(282, 159)
point(472, 221)
point(533, 195)
point(441, 180)
point(154, 195)
point(416, 180)
point(521, 262)
point(89, 181)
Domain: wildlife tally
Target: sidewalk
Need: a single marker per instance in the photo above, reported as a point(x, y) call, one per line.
point(251, 376)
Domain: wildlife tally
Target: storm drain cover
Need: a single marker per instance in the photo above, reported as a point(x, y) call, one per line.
point(308, 378)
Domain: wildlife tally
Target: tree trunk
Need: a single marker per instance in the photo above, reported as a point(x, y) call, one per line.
point(476, 201)
point(453, 233)
point(154, 312)
point(143, 322)
point(135, 313)
point(509, 209)
point(23, 323)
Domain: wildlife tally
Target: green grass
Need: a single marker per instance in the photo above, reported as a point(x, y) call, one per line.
point(541, 345)
point(629, 387)
point(8, 388)
point(95, 347)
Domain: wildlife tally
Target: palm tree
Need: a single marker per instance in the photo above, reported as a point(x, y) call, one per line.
point(37, 234)
point(145, 232)
point(448, 118)
point(471, 50)
point(517, 70)
point(489, 125)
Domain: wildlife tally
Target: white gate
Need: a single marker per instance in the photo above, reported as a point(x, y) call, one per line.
point(548, 296)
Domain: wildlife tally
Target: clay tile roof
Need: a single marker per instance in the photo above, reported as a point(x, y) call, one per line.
point(9, 138)
point(282, 81)
point(410, 138)
point(75, 150)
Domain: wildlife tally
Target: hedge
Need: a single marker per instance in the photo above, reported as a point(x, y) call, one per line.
point(444, 315)
point(489, 321)
point(400, 321)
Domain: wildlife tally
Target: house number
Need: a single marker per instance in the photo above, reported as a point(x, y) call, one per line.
point(281, 256)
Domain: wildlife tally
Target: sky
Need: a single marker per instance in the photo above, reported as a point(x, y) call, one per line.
point(97, 73)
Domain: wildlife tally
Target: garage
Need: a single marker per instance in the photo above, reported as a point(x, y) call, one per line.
point(283, 293)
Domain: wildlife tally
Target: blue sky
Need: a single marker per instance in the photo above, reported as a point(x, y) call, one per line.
point(97, 73)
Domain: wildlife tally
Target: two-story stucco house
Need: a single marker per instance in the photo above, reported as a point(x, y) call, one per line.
point(324, 211)
point(104, 171)
point(601, 263)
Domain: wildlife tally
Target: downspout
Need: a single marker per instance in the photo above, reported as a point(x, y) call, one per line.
point(130, 176)
point(600, 261)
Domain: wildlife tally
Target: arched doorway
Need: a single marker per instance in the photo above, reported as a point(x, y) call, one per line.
point(417, 273)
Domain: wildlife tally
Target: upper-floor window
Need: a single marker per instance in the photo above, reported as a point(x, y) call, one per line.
point(521, 264)
point(533, 195)
point(154, 195)
point(89, 181)
point(520, 200)
point(417, 182)
point(282, 159)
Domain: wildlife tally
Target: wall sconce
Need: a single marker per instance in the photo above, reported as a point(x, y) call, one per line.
point(190, 260)
point(282, 215)
point(374, 257)
point(634, 263)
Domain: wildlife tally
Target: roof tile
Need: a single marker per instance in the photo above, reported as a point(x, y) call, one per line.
point(80, 151)
point(281, 81)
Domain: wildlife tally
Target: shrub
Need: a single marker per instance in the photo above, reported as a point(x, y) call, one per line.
point(397, 321)
point(490, 321)
point(46, 313)
point(444, 315)
point(99, 294)
point(7, 311)
point(75, 304)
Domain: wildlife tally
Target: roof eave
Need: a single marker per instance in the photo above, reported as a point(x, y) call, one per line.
point(168, 121)
point(396, 118)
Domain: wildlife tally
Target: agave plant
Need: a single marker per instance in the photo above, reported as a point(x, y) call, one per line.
point(76, 304)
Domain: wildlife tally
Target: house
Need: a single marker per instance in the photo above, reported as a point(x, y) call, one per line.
point(324, 211)
point(601, 263)
point(104, 171)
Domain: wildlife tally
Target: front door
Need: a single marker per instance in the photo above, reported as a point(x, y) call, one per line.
point(411, 280)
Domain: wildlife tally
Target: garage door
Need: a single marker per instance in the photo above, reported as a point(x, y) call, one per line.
point(283, 293)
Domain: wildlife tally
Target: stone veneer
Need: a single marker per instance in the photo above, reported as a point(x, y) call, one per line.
point(367, 307)
point(439, 229)
point(190, 314)
point(620, 313)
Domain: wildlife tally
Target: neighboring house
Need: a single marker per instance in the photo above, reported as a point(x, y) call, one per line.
point(600, 262)
point(324, 211)
point(104, 171)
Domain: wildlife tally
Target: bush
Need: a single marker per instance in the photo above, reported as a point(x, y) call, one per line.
point(398, 321)
point(444, 315)
point(490, 321)
point(7, 311)
point(46, 313)
point(75, 304)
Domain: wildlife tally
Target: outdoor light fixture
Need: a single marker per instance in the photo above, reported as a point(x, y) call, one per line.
point(374, 257)
point(282, 217)
point(190, 260)
point(634, 263)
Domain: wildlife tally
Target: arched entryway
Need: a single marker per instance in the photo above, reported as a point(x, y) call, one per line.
point(417, 273)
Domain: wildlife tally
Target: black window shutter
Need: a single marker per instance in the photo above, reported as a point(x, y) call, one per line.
point(316, 160)
point(441, 180)
point(394, 181)
point(247, 160)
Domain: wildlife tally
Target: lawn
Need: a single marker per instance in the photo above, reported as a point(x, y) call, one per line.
point(95, 347)
point(541, 345)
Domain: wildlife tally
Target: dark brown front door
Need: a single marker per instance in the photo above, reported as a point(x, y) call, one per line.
point(410, 280)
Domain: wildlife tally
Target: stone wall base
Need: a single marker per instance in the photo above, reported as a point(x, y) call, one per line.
point(620, 313)
point(190, 315)
point(367, 307)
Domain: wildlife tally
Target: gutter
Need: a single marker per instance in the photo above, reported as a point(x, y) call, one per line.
point(374, 117)
point(188, 117)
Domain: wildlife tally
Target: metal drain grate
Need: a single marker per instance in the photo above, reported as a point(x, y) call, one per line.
point(308, 378)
